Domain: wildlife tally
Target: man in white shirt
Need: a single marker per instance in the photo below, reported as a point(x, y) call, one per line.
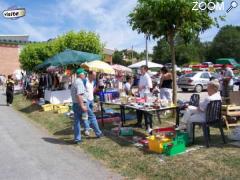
point(145, 82)
point(90, 86)
point(144, 86)
point(198, 114)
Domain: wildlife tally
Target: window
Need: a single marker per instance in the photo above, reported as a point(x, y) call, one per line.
point(190, 75)
point(205, 76)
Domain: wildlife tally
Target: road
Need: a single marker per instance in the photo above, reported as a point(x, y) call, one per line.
point(28, 152)
point(186, 95)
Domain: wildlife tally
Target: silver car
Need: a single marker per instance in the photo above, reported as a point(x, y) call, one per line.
point(196, 81)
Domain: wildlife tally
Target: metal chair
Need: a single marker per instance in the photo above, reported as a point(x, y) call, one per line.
point(194, 100)
point(213, 117)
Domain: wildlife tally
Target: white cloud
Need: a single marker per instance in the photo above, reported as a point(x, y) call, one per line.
point(106, 17)
point(110, 23)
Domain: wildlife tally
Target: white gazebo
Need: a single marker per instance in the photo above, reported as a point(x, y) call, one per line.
point(143, 62)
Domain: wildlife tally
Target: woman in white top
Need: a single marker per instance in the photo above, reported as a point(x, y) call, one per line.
point(198, 114)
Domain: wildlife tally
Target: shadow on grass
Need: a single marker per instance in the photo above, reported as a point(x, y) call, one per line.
point(58, 141)
point(66, 131)
point(215, 141)
point(30, 109)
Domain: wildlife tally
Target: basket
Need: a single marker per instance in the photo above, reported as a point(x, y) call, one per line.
point(126, 131)
point(155, 144)
point(56, 106)
point(47, 107)
point(174, 148)
point(183, 136)
point(62, 109)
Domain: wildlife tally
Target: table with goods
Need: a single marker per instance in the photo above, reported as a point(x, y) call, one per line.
point(148, 105)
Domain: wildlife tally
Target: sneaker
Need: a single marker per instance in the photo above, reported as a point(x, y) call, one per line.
point(87, 133)
point(77, 142)
point(149, 130)
point(100, 136)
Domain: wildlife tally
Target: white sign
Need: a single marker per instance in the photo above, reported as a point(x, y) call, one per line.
point(211, 6)
point(14, 13)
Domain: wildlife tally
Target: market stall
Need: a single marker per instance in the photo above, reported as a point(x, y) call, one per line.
point(57, 91)
point(141, 63)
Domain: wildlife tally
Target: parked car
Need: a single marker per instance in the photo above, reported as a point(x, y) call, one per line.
point(196, 81)
point(169, 66)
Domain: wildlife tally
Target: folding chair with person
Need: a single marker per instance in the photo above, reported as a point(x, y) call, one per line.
point(213, 117)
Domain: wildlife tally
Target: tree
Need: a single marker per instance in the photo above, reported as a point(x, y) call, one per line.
point(226, 43)
point(34, 54)
point(185, 53)
point(118, 57)
point(161, 18)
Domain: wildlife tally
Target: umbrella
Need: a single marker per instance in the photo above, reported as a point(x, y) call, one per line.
point(69, 57)
point(141, 63)
point(118, 67)
point(98, 66)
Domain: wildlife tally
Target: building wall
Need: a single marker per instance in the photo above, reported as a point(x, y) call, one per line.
point(108, 58)
point(9, 59)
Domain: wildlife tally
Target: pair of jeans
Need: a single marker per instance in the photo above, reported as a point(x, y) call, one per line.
point(92, 120)
point(77, 121)
point(147, 118)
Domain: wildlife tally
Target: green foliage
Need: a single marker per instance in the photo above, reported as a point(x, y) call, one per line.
point(162, 18)
point(34, 54)
point(118, 56)
point(226, 43)
point(167, 18)
point(194, 51)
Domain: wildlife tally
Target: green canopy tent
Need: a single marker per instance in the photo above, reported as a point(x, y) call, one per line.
point(68, 57)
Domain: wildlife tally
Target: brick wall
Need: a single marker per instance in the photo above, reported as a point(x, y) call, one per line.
point(9, 59)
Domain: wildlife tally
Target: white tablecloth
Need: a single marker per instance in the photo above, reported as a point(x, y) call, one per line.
point(58, 97)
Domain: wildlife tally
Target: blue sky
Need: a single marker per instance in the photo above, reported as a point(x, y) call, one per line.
point(47, 19)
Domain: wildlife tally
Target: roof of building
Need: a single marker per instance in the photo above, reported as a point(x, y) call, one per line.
point(108, 51)
point(14, 39)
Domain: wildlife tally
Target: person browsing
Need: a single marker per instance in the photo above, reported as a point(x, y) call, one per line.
point(90, 86)
point(145, 82)
point(79, 99)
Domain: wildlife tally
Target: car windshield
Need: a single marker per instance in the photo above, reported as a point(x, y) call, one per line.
point(190, 75)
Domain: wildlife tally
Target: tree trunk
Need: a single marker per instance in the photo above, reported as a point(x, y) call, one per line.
point(172, 49)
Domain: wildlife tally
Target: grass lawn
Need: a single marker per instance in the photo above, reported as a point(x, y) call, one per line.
point(217, 162)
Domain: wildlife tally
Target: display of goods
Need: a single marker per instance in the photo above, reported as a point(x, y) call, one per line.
point(164, 130)
point(140, 100)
